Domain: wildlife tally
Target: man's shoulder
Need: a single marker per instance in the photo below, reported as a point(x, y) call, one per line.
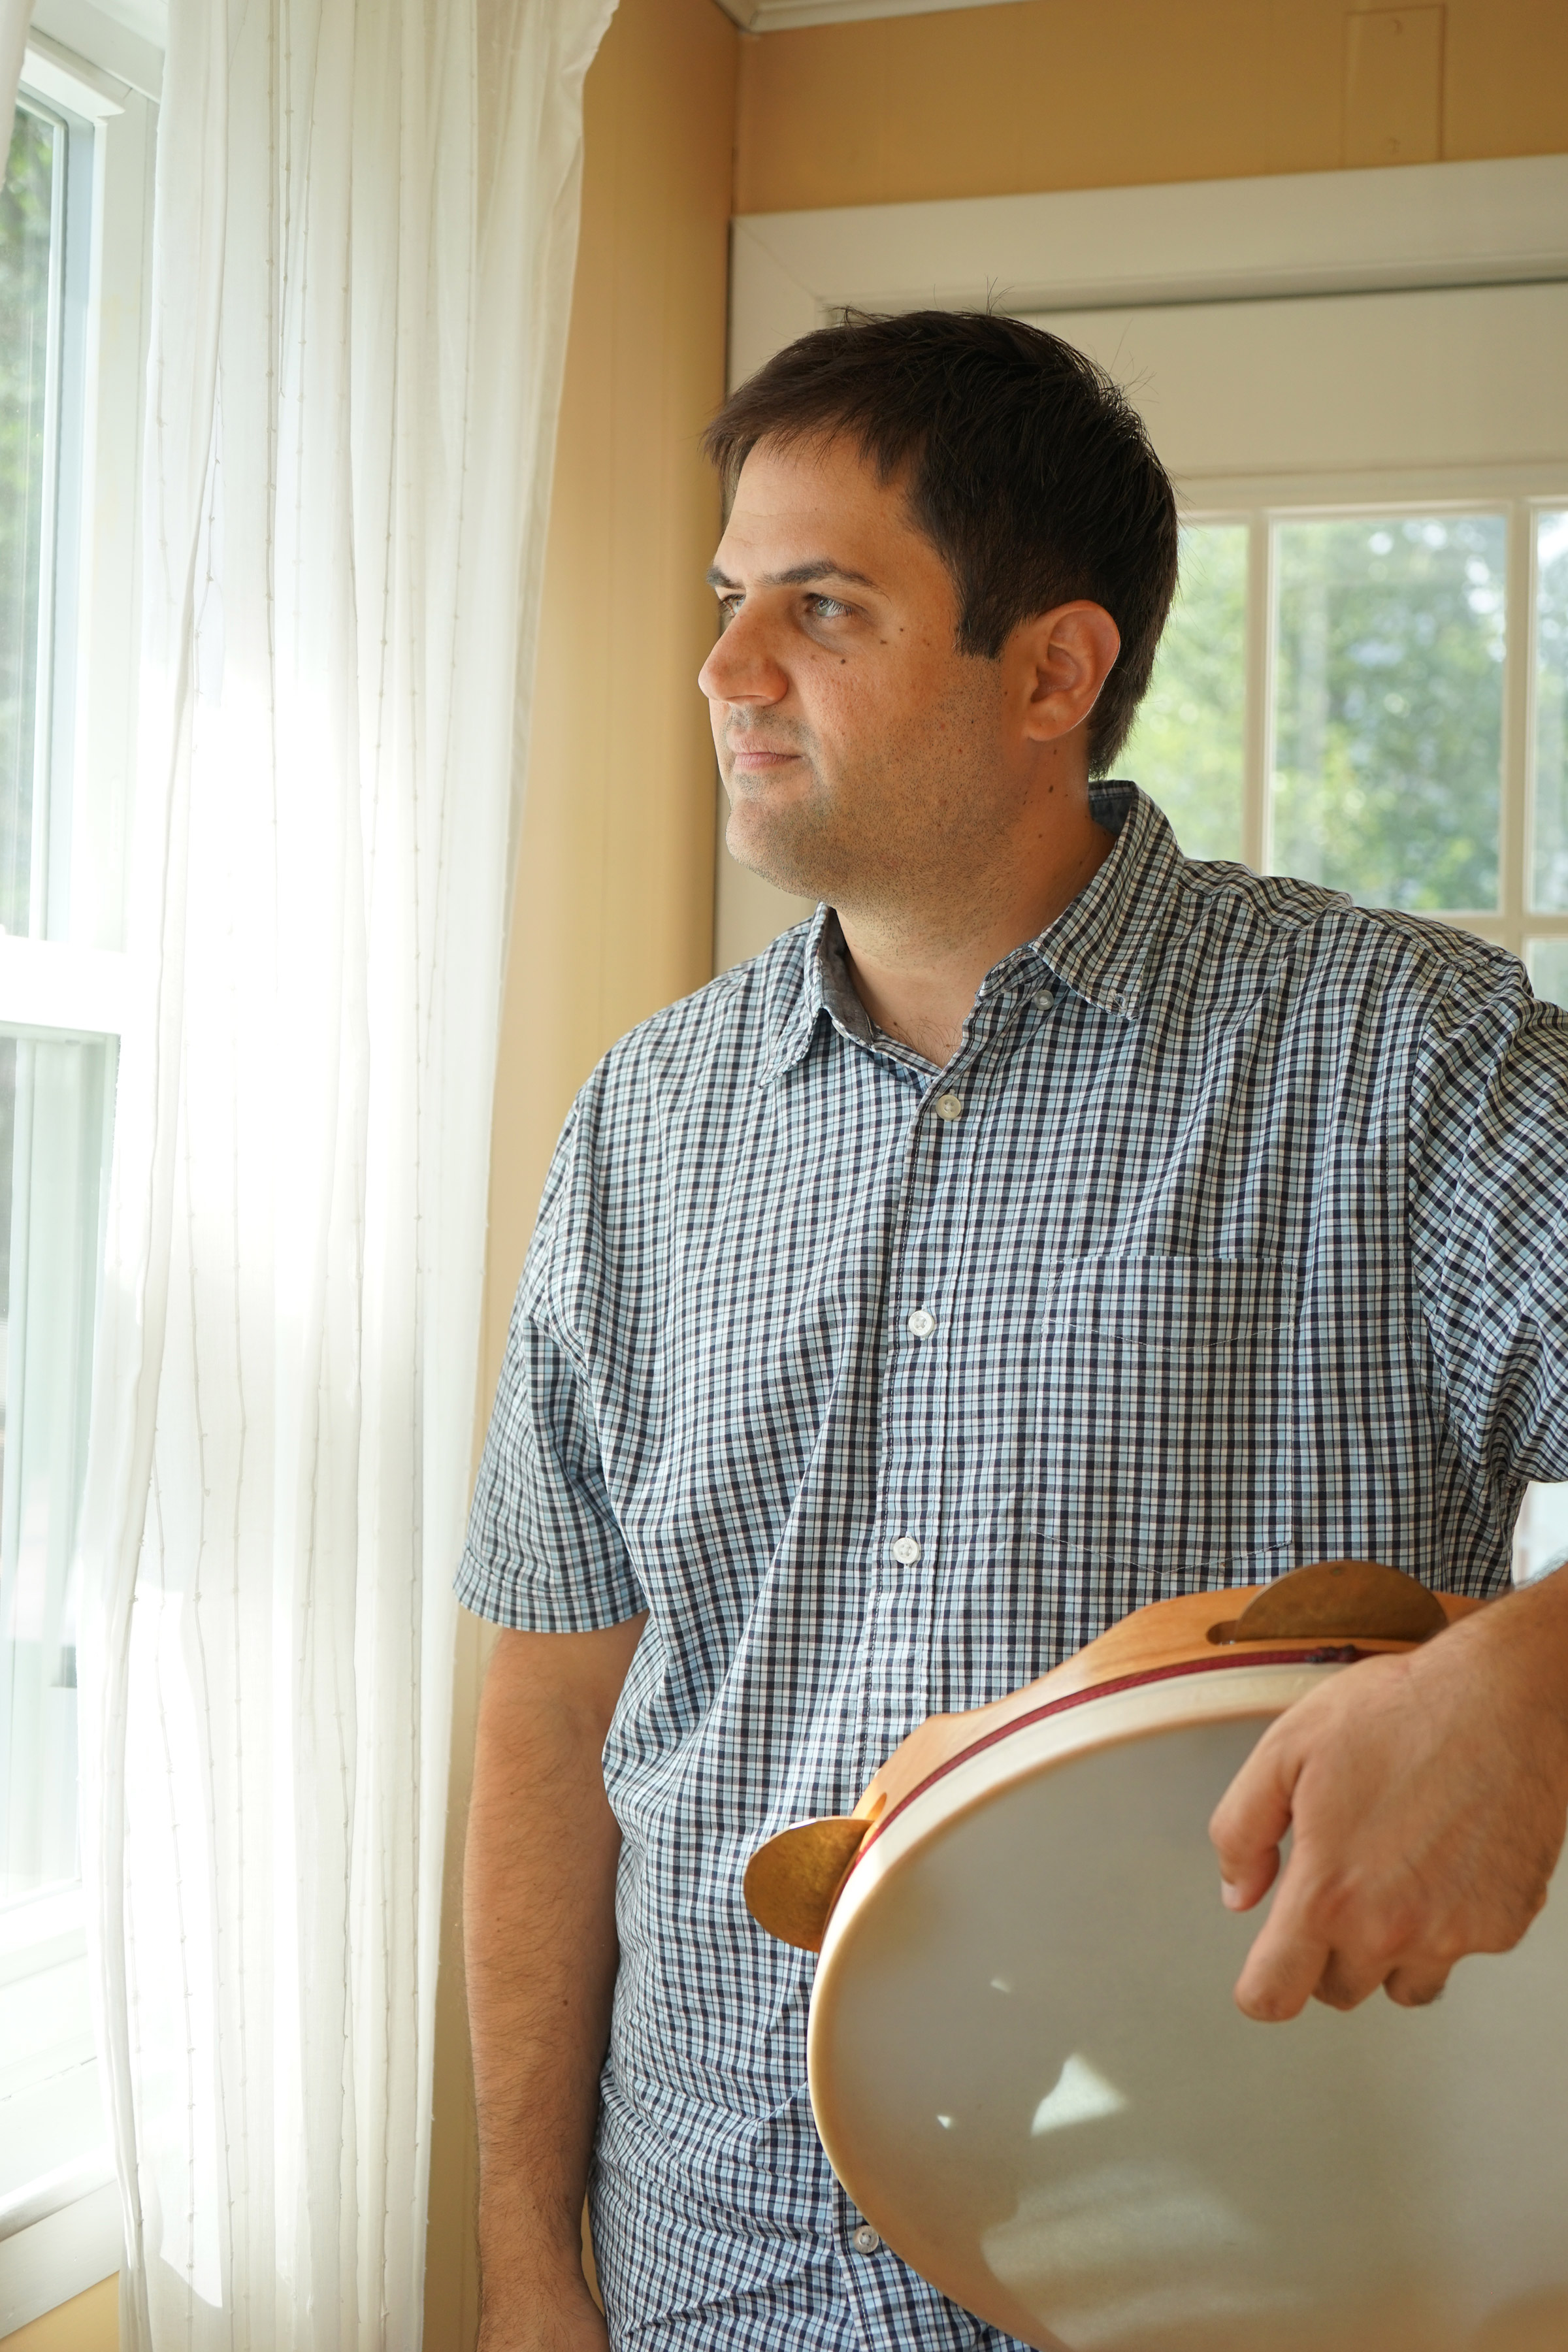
point(692, 1069)
point(1271, 923)
point(720, 1033)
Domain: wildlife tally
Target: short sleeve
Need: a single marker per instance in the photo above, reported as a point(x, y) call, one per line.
point(1489, 1205)
point(545, 1553)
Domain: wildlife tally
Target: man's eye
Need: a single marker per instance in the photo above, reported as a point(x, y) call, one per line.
point(828, 608)
point(728, 608)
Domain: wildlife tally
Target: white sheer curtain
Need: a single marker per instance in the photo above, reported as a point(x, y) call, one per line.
point(15, 15)
point(365, 230)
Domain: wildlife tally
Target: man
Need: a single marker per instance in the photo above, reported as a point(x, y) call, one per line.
point(1049, 1226)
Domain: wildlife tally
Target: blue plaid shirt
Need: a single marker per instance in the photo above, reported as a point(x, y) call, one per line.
point(1234, 1236)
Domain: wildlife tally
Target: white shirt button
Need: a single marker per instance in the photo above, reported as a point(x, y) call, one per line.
point(906, 1551)
point(950, 1107)
point(866, 2239)
point(923, 1323)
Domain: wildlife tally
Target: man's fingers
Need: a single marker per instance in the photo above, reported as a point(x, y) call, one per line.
point(1346, 1982)
point(1317, 1944)
point(1250, 1885)
point(1283, 1971)
point(1250, 1820)
point(1415, 1987)
point(1289, 1953)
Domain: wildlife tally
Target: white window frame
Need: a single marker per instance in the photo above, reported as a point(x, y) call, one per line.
point(62, 2233)
point(1512, 922)
point(1425, 226)
point(1483, 224)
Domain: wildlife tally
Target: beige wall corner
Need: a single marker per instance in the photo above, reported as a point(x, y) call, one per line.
point(88, 2323)
point(614, 910)
point(613, 914)
point(1043, 94)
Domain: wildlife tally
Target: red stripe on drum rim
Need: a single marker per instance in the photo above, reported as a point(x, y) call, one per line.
point(1340, 1653)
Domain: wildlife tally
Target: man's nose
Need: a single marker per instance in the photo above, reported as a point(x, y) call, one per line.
point(741, 667)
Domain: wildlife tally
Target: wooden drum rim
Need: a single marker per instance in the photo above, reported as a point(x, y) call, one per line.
point(1335, 1654)
point(1331, 1613)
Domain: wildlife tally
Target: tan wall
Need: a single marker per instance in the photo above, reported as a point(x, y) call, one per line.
point(88, 2323)
point(1041, 94)
point(613, 914)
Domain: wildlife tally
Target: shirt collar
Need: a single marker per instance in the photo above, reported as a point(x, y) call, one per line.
point(800, 1010)
point(1099, 943)
point(1096, 945)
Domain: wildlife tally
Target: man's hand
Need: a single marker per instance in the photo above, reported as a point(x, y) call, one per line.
point(1426, 1794)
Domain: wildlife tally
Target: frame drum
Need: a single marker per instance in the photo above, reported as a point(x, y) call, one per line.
point(1030, 2076)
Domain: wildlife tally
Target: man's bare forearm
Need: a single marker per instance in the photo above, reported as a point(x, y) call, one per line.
point(540, 1938)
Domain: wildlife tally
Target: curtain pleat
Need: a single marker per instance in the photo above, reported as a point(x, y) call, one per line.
point(16, 18)
point(364, 228)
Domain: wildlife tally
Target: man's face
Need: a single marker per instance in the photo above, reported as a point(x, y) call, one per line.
point(865, 756)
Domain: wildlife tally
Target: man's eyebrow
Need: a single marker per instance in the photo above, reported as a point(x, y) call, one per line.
point(799, 575)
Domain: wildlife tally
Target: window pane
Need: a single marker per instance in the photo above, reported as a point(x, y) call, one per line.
point(1388, 709)
point(1548, 964)
point(1549, 873)
point(1541, 1532)
point(51, 2117)
point(55, 1115)
point(1187, 745)
point(26, 213)
point(56, 1107)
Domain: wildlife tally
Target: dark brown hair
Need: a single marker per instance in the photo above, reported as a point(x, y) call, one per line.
point(1025, 466)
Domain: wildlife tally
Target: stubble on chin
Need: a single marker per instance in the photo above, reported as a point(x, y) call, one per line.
point(786, 834)
point(785, 847)
point(812, 852)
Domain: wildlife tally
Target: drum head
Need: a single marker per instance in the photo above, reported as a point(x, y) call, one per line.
point(1029, 2073)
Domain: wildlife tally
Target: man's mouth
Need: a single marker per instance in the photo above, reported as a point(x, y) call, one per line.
point(748, 758)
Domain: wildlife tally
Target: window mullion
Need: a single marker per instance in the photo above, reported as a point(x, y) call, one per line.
point(43, 747)
point(1519, 659)
point(1256, 847)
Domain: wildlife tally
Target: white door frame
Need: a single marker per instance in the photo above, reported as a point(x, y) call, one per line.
point(1483, 224)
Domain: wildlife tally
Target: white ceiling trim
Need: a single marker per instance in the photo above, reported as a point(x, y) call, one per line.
point(125, 37)
point(1487, 223)
point(783, 16)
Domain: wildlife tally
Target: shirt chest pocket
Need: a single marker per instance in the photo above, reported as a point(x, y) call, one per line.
point(1162, 1417)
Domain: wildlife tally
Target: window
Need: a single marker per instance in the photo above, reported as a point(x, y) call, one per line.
point(1387, 659)
point(1375, 702)
point(1189, 742)
point(73, 228)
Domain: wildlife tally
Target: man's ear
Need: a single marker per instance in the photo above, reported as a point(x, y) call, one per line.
point(1059, 661)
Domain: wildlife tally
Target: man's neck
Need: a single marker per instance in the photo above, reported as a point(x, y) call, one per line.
point(917, 970)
